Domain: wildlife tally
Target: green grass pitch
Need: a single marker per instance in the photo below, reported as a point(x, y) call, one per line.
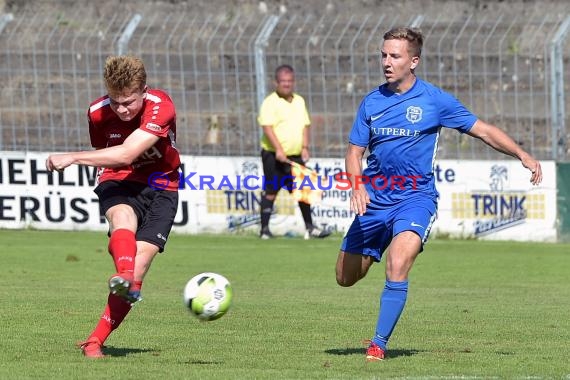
point(475, 309)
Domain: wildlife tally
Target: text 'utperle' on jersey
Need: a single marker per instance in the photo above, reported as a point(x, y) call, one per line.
point(401, 132)
point(157, 116)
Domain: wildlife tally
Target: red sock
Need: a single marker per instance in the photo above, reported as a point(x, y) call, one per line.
point(123, 248)
point(115, 311)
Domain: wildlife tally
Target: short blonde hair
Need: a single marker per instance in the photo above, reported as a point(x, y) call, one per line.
point(124, 74)
point(412, 35)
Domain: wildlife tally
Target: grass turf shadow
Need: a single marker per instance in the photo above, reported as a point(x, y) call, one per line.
point(362, 351)
point(118, 352)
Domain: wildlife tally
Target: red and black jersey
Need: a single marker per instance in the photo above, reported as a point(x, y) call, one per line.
point(157, 116)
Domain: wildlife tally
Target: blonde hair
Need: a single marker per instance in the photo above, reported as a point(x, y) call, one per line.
point(124, 74)
point(412, 35)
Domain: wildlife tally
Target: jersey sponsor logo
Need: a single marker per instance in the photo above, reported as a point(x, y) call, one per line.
point(414, 114)
point(376, 117)
point(383, 131)
point(115, 136)
point(153, 127)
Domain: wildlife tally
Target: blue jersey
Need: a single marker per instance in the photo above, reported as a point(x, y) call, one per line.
point(401, 132)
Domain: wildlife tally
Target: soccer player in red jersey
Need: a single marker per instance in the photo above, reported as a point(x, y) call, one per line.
point(133, 131)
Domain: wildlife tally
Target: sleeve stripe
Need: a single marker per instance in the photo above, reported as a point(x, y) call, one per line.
point(153, 98)
point(98, 105)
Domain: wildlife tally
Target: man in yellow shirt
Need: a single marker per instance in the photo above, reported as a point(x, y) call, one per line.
point(285, 122)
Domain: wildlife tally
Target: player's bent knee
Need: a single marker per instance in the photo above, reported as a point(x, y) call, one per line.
point(348, 269)
point(345, 281)
point(121, 216)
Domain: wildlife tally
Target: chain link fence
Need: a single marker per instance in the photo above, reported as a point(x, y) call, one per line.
point(510, 70)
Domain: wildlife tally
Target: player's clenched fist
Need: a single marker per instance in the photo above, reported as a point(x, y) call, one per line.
point(58, 162)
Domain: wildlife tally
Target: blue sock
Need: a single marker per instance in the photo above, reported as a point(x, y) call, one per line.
point(392, 304)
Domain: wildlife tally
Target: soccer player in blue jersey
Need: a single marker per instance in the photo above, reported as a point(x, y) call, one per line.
point(394, 198)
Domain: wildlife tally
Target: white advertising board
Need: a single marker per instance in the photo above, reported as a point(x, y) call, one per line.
point(485, 199)
point(495, 200)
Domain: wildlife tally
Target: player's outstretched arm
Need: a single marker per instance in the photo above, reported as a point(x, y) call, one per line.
point(116, 156)
point(500, 141)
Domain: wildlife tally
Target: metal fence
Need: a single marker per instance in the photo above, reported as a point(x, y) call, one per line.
point(509, 70)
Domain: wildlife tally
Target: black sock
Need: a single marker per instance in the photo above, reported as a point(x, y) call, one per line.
point(266, 209)
point(306, 212)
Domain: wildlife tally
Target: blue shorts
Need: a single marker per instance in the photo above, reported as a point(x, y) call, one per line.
point(371, 233)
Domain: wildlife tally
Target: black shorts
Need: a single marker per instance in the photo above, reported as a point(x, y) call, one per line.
point(277, 175)
point(155, 209)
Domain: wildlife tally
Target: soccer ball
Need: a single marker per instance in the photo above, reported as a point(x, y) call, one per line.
point(208, 296)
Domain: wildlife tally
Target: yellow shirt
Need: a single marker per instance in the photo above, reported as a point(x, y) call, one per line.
point(288, 121)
